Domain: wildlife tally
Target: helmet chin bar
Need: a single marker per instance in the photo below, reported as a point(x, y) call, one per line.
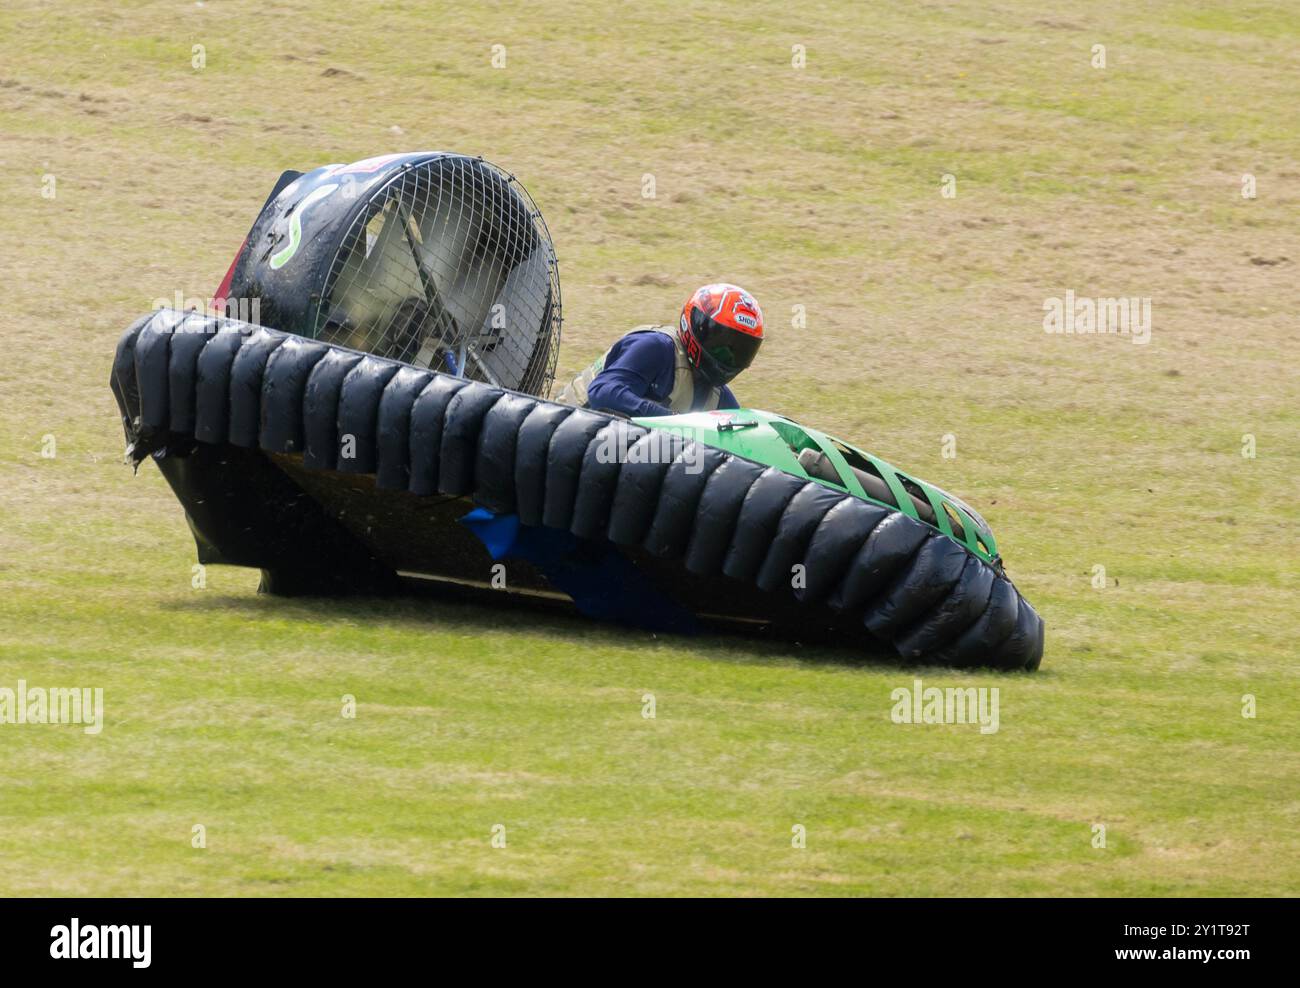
point(713, 372)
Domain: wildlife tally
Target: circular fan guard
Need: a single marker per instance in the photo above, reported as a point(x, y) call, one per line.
point(449, 266)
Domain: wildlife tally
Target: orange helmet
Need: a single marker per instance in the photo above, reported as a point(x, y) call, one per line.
point(721, 328)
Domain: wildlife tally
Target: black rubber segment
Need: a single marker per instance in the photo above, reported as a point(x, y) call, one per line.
point(358, 419)
point(393, 430)
point(494, 470)
point(793, 533)
point(978, 645)
point(834, 544)
point(601, 465)
point(284, 385)
point(188, 341)
point(461, 425)
point(212, 384)
point(757, 523)
point(639, 483)
point(426, 431)
point(1023, 649)
point(123, 381)
point(152, 347)
point(954, 614)
point(715, 518)
point(567, 450)
point(886, 551)
point(532, 449)
point(935, 568)
point(320, 408)
point(679, 498)
point(246, 386)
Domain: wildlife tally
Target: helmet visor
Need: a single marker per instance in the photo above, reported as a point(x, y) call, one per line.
point(727, 350)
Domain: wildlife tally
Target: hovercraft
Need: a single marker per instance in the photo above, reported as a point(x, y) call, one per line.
point(388, 429)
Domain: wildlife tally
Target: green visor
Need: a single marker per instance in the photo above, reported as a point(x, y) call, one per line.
point(727, 351)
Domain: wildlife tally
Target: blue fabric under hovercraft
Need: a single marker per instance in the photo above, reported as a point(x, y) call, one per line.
point(602, 582)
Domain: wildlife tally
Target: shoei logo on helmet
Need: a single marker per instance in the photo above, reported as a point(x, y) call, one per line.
point(745, 315)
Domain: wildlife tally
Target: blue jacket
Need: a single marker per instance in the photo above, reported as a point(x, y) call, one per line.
point(638, 377)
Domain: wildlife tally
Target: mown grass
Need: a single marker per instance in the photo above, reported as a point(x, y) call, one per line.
point(817, 187)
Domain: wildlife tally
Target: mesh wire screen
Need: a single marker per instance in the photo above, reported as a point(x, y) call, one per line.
point(449, 266)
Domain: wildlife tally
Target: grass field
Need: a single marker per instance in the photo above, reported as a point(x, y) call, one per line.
point(129, 174)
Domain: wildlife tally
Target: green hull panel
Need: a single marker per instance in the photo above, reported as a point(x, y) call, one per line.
point(776, 441)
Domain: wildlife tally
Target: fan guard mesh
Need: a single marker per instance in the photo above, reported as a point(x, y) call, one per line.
point(449, 266)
